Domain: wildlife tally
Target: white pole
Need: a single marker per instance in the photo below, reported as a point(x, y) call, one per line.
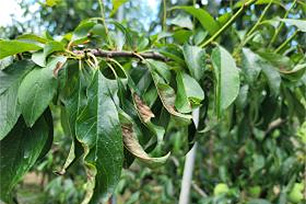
point(189, 165)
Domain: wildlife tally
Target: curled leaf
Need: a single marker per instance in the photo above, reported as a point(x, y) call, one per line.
point(129, 133)
point(144, 111)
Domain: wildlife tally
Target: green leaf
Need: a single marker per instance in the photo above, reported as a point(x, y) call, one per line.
point(206, 20)
point(98, 129)
point(227, 79)
point(5, 62)
point(19, 151)
point(189, 93)
point(73, 98)
point(145, 114)
point(272, 76)
point(12, 47)
point(9, 111)
point(116, 5)
point(39, 58)
point(129, 132)
point(37, 90)
point(32, 38)
point(14, 73)
point(195, 60)
point(80, 33)
point(52, 3)
point(125, 31)
point(51, 47)
point(294, 74)
point(250, 66)
point(182, 21)
point(300, 24)
point(165, 92)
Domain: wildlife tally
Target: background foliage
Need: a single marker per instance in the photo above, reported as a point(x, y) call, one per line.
point(251, 147)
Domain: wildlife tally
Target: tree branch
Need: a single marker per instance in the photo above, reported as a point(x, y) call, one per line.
point(128, 54)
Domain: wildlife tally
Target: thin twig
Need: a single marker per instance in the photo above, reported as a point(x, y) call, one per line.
point(281, 24)
point(286, 42)
point(275, 124)
point(260, 18)
point(127, 54)
point(198, 190)
point(228, 24)
point(164, 15)
point(101, 4)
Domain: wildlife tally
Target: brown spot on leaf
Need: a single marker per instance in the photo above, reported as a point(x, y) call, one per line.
point(144, 110)
point(58, 66)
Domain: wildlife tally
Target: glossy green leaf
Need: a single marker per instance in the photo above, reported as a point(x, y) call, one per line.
point(73, 98)
point(300, 24)
point(37, 90)
point(32, 38)
point(162, 69)
point(53, 46)
point(98, 129)
point(227, 79)
point(273, 77)
point(165, 92)
point(129, 131)
point(9, 111)
point(12, 47)
point(250, 66)
point(195, 60)
point(206, 20)
point(19, 151)
point(81, 32)
point(14, 73)
point(189, 93)
point(5, 62)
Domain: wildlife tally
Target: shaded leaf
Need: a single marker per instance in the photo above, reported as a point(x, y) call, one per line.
point(166, 93)
point(250, 66)
point(273, 77)
point(9, 111)
point(129, 132)
point(13, 74)
point(19, 151)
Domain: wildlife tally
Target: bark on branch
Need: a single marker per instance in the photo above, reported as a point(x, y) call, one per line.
point(129, 54)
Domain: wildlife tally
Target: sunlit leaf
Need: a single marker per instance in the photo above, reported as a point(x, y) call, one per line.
point(12, 47)
point(206, 20)
point(227, 79)
point(98, 129)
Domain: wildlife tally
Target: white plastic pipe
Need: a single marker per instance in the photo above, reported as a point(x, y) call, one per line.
point(189, 165)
